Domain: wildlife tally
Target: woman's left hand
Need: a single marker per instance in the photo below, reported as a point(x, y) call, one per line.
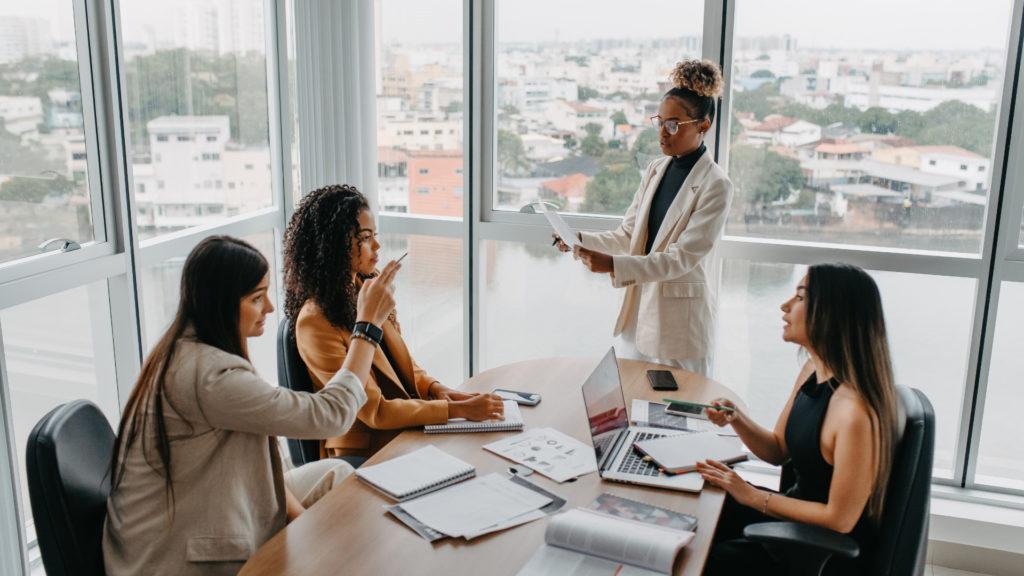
point(440, 392)
point(596, 261)
point(727, 479)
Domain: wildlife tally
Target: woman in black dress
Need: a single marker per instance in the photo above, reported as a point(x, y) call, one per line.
point(837, 429)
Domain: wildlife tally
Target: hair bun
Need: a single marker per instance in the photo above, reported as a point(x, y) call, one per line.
point(703, 77)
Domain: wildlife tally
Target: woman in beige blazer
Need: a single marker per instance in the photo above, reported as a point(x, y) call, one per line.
point(330, 246)
point(662, 250)
point(197, 480)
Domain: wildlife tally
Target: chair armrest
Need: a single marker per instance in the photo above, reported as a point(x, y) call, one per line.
point(797, 534)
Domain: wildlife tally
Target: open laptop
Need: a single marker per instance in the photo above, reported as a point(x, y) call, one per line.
point(613, 437)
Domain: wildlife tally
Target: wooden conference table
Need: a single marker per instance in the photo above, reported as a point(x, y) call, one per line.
point(348, 531)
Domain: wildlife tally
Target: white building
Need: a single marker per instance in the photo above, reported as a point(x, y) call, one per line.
point(531, 93)
point(779, 130)
point(22, 37)
point(870, 94)
point(22, 115)
point(543, 148)
point(573, 116)
point(419, 133)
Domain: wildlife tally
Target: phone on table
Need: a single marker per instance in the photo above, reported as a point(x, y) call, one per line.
point(662, 380)
point(524, 398)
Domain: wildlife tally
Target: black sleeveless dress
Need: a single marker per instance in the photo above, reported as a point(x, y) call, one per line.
point(733, 554)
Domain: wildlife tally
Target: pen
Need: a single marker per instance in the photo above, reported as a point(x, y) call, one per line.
point(401, 258)
point(722, 408)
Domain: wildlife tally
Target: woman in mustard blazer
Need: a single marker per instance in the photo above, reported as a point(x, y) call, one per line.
point(330, 246)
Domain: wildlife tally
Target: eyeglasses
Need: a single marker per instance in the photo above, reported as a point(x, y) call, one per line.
point(671, 126)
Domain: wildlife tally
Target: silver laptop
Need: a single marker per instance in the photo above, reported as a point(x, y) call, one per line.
point(613, 437)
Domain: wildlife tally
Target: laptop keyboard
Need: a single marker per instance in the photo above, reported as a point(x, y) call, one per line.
point(634, 462)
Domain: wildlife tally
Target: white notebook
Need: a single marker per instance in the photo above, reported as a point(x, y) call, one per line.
point(512, 421)
point(416, 473)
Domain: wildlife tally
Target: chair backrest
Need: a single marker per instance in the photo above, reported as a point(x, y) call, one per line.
point(292, 374)
point(68, 459)
point(903, 531)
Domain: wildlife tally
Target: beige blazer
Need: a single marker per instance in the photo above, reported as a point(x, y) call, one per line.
point(677, 303)
point(397, 389)
point(226, 469)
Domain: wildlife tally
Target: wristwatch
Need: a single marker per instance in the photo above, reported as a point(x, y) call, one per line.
point(368, 331)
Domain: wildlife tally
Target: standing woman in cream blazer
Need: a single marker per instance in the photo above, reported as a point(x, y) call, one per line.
point(197, 483)
point(661, 251)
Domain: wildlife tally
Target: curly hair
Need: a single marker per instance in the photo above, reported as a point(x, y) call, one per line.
point(317, 253)
point(697, 84)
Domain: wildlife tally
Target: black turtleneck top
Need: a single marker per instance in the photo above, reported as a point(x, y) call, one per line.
point(676, 173)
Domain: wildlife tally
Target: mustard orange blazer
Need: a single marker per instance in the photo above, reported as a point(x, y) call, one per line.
point(390, 403)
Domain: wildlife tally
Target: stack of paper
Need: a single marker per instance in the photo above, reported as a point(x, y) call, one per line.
point(477, 507)
point(548, 451)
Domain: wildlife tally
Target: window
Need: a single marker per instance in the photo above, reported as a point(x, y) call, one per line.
point(508, 321)
point(57, 349)
point(42, 138)
point(208, 87)
point(805, 88)
point(573, 100)
point(1000, 462)
point(419, 100)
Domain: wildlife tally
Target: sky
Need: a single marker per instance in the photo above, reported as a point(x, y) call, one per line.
point(869, 24)
point(875, 24)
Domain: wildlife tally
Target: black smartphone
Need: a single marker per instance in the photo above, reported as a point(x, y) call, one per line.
point(524, 398)
point(662, 380)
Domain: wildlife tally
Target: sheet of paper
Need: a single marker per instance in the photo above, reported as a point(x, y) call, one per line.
point(548, 451)
point(511, 522)
point(474, 505)
point(564, 231)
point(553, 561)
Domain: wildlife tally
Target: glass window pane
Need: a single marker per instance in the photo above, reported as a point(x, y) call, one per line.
point(1000, 460)
point(160, 288)
point(419, 107)
point(44, 189)
point(57, 349)
point(527, 288)
point(929, 350)
point(575, 91)
point(882, 139)
point(429, 294)
point(196, 77)
point(293, 95)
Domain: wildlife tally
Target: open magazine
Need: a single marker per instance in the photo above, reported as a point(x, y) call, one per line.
point(588, 543)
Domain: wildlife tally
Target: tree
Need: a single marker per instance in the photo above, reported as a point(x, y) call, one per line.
point(619, 117)
point(511, 153)
point(761, 175)
point(762, 101)
point(453, 107)
point(35, 190)
point(592, 144)
point(583, 93)
point(611, 190)
point(959, 124)
point(762, 73)
point(877, 120)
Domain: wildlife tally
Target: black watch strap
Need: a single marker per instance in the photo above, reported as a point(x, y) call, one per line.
point(370, 331)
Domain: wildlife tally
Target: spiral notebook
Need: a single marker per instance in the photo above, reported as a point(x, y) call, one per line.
point(416, 473)
point(513, 421)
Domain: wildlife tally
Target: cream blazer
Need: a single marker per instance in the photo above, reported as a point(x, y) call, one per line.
point(678, 304)
point(226, 469)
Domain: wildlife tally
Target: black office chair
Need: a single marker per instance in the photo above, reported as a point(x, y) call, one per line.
point(68, 457)
point(903, 531)
point(292, 374)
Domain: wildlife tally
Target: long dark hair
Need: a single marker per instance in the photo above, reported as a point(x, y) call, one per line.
point(218, 273)
point(317, 253)
point(846, 330)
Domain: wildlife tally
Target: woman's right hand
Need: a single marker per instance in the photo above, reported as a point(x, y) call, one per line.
point(562, 246)
point(377, 296)
point(479, 407)
point(722, 417)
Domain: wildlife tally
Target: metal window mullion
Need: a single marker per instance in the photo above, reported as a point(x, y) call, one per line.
point(181, 243)
point(13, 539)
point(86, 29)
point(1002, 233)
point(716, 46)
point(50, 261)
point(56, 281)
point(277, 107)
point(481, 66)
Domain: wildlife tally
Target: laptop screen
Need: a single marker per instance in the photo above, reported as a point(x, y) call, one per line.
point(606, 406)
